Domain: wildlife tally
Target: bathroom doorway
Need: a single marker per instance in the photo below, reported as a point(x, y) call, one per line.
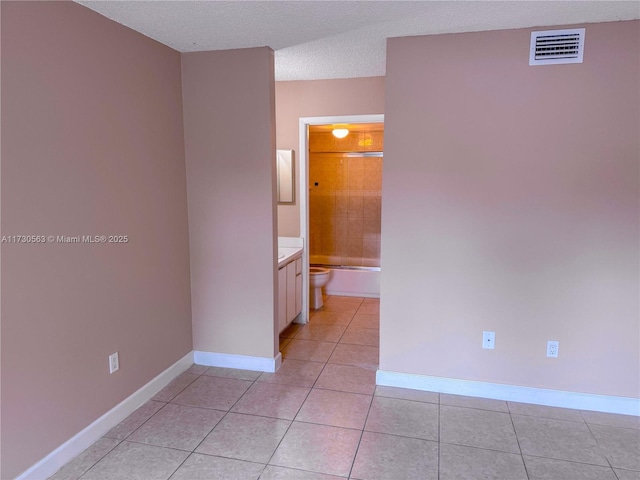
point(340, 208)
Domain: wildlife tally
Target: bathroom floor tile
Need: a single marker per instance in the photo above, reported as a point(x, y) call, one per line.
point(271, 472)
point(339, 307)
point(403, 417)
point(213, 392)
point(245, 437)
point(386, 457)
point(407, 394)
point(363, 320)
point(369, 309)
point(342, 309)
point(133, 421)
point(320, 332)
point(550, 469)
point(473, 402)
point(559, 439)
point(310, 350)
point(177, 426)
point(357, 355)
point(458, 462)
point(232, 373)
point(361, 336)
point(331, 318)
point(344, 300)
point(317, 448)
point(477, 428)
point(174, 387)
point(83, 462)
point(338, 409)
point(621, 446)
point(272, 400)
point(346, 378)
point(294, 372)
point(205, 467)
point(134, 461)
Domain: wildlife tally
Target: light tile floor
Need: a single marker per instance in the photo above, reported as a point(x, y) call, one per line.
point(322, 417)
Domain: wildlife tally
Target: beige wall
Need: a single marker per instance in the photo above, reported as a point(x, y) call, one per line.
point(318, 98)
point(230, 154)
point(92, 144)
point(510, 203)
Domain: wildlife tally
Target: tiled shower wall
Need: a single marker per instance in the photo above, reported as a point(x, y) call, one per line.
point(344, 208)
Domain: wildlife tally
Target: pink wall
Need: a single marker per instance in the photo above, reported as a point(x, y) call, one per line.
point(317, 98)
point(92, 144)
point(230, 155)
point(510, 204)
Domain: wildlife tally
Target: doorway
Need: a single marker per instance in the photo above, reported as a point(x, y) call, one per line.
point(371, 282)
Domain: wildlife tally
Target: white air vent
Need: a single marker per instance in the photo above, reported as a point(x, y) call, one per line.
point(556, 46)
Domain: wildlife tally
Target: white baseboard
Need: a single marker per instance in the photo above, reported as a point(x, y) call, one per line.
point(512, 393)
point(242, 362)
point(81, 441)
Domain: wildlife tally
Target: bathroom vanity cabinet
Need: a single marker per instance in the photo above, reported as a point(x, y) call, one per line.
point(289, 291)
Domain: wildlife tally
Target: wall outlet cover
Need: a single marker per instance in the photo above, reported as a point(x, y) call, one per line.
point(552, 348)
point(114, 363)
point(488, 340)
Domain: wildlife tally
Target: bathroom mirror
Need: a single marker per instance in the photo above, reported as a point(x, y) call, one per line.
point(286, 183)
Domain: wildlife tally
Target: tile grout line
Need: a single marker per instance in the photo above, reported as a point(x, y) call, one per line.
point(600, 450)
point(120, 441)
point(439, 436)
point(515, 433)
point(578, 462)
point(302, 403)
point(353, 462)
point(94, 463)
point(143, 423)
point(253, 382)
point(212, 429)
point(314, 386)
point(372, 396)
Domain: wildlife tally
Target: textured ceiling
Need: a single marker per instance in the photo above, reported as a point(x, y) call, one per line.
point(338, 39)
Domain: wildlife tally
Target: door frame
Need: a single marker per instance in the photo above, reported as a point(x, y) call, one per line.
point(303, 181)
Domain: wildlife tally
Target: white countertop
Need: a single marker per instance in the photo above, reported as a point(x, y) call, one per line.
point(287, 254)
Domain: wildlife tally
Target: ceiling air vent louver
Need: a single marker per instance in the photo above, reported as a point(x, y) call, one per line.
point(556, 46)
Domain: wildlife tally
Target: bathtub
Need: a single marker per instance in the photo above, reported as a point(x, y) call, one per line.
point(351, 282)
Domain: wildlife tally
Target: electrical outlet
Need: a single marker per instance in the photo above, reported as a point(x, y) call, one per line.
point(552, 348)
point(489, 340)
point(114, 363)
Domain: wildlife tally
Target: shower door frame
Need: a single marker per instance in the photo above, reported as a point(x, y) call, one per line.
point(303, 182)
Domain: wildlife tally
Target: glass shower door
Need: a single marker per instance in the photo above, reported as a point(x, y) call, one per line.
point(345, 191)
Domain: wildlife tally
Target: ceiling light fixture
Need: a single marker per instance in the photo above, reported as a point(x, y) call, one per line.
point(340, 132)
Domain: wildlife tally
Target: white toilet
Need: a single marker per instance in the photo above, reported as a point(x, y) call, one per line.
point(318, 278)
